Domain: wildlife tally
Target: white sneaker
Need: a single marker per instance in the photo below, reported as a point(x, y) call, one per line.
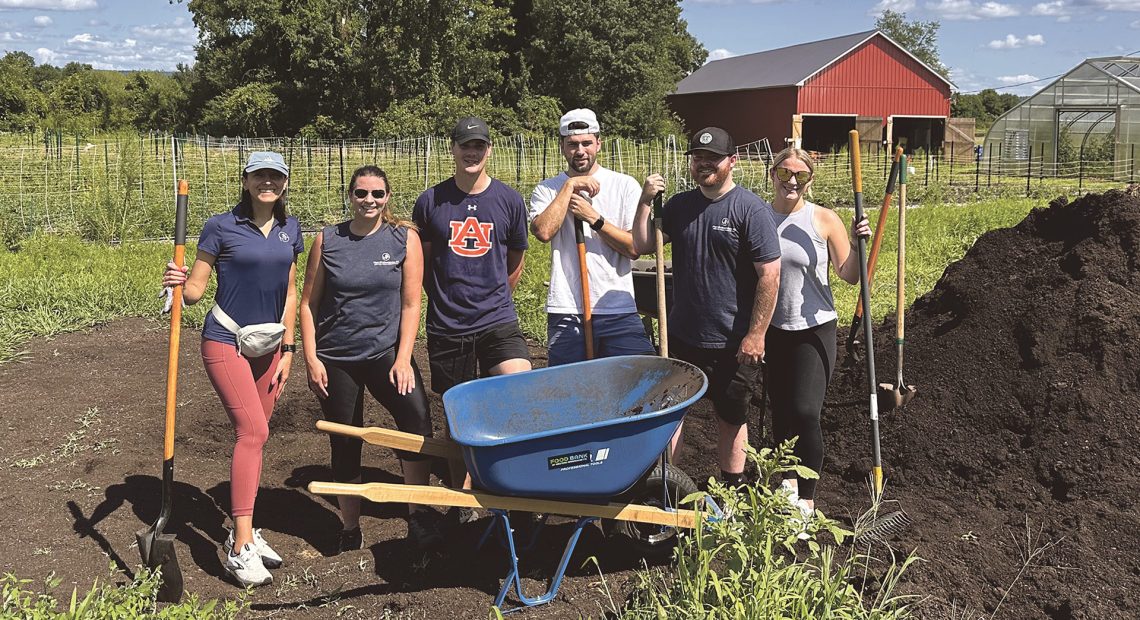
point(247, 568)
point(269, 557)
point(803, 519)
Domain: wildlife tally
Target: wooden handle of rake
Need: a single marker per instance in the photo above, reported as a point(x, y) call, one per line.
point(180, 205)
point(584, 273)
point(876, 243)
point(659, 248)
point(865, 295)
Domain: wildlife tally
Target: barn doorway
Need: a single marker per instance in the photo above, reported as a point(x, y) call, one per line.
point(826, 133)
point(918, 132)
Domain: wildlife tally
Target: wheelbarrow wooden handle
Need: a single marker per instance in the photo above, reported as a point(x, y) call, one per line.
point(397, 440)
point(441, 496)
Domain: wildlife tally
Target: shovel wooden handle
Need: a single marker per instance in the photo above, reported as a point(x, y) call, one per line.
point(900, 308)
point(180, 207)
point(382, 492)
point(397, 440)
point(659, 249)
point(584, 273)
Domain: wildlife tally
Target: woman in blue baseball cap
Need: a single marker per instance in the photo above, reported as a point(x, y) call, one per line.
point(247, 338)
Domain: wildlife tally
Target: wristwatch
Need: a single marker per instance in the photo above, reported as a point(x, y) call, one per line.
point(288, 348)
point(598, 223)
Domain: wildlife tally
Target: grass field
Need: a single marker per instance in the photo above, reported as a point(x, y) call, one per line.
point(55, 284)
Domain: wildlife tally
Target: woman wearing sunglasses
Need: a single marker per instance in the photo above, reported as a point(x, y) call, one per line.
point(800, 352)
point(360, 311)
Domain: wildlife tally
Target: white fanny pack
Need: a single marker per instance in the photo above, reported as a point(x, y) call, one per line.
point(252, 340)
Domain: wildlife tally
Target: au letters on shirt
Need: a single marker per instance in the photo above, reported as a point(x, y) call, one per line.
point(470, 237)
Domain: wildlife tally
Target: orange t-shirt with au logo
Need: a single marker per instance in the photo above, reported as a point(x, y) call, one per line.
point(466, 274)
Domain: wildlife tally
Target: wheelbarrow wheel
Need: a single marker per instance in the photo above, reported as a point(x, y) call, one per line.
point(653, 542)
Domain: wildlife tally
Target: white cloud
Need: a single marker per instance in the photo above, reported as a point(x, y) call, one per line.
point(50, 5)
point(44, 56)
point(41, 20)
point(1056, 8)
point(719, 54)
point(968, 10)
point(1011, 42)
point(1010, 80)
point(11, 37)
point(1135, 24)
point(898, 6)
point(181, 29)
point(1109, 5)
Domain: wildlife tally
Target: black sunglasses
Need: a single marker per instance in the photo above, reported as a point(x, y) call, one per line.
point(785, 175)
point(362, 193)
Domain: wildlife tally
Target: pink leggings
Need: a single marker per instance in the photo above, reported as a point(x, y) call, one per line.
point(243, 386)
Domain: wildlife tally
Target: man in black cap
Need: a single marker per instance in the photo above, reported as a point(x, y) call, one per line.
point(726, 274)
point(474, 232)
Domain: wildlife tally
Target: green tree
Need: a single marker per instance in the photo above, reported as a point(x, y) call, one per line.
point(21, 103)
point(247, 110)
point(917, 37)
point(157, 101)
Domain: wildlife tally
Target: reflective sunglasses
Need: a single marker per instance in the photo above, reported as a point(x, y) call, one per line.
point(785, 175)
point(362, 193)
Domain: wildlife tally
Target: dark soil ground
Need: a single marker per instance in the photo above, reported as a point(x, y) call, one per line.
point(1017, 461)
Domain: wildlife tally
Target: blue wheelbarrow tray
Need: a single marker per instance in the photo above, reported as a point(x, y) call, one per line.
point(585, 431)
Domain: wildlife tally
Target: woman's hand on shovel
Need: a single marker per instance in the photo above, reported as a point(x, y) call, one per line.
point(172, 277)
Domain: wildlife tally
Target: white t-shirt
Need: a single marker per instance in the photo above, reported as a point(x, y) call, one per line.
point(611, 282)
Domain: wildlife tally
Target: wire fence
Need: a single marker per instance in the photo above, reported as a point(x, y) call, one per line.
point(122, 186)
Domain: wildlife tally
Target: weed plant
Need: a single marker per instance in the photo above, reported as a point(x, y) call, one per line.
point(751, 565)
point(136, 600)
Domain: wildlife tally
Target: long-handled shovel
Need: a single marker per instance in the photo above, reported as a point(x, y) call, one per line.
point(899, 394)
point(876, 243)
point(895, 521)
point(587, 312)
point(659, 241)
point(156, 547)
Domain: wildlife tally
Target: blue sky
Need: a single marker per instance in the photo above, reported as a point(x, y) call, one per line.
point(985, 43)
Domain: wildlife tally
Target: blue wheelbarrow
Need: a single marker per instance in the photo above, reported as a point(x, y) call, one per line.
point(584, 440)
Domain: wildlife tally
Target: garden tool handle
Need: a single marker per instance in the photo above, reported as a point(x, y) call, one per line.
point(659, 249)
point(900, 317)
point(180, 207)
point(584, 273)
point(865, 296)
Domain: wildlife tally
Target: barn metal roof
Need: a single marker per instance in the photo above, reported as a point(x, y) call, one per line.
point(786, 66)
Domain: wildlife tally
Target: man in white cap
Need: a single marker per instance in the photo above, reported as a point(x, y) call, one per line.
point(605, 201)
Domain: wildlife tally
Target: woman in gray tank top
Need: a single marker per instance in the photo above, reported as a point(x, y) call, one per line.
point(360, 311)
point(800, 343)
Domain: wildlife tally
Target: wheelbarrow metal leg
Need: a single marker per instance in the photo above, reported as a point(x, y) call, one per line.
point(513, 580)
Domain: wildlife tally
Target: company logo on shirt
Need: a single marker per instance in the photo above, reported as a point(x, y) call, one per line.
point(470, 238)
point(724, 226)
point(283, 236)
point(385, 260)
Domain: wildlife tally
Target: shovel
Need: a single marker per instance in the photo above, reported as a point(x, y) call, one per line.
point(587, 313)
point(896, 521)
point(156, 547)
point(659, 241)
point(899, 394)
point(876, 243)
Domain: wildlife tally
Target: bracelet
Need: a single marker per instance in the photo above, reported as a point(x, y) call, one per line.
point(288, 348)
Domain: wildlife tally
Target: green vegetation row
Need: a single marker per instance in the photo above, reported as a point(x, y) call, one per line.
point(52, 284)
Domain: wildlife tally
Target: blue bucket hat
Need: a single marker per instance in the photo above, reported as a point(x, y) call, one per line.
point(266, 159)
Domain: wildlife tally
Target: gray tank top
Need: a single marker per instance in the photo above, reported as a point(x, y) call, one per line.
point(359, 316)
point(805, 295)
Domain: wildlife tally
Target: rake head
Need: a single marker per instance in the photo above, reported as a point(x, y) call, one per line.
point(882, 528)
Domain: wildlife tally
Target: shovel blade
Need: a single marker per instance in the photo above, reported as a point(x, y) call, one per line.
point(894, 397)
point(157, 552)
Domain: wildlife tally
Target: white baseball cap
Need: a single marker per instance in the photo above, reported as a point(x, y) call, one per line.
point(579, 116)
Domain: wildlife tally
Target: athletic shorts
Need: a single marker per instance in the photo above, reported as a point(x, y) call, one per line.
point(730, 382)
point(614, 334)
point(456, 359)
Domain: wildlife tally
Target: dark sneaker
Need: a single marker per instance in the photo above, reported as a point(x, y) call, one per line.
point(350, 540)
point(423, 529)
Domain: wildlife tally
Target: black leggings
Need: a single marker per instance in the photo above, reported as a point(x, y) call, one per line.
point(799, 367)
point(345, 404)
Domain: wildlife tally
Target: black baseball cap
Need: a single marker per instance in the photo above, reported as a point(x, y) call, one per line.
point(470, 128)
point(712, 139)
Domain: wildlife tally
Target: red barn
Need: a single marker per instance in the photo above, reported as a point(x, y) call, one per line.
point(812, 94)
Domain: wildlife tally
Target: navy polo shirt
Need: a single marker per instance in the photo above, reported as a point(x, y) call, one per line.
point(253, 269)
